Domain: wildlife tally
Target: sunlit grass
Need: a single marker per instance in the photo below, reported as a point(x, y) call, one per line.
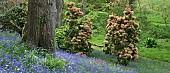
point(164, 44)
point(161, 24)
point(155, 53)
point(151, 60)
point(97, 39)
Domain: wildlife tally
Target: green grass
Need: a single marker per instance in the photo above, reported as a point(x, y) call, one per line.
point(160, 24)
point(155, 53)
point(97, 39)
point(161, 52)
point(151, 60)
point(155, 18)
point(148, 65)
point(163, 44)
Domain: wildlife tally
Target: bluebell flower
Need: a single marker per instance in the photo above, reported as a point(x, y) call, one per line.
point(21, 62)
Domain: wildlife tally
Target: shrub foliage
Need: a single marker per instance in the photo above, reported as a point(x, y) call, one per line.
point(14, 19)
point(121, 36)
point(150, 42)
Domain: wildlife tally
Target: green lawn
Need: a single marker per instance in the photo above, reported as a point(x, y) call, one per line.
point(97, 39)
point(162, 51)
point(155, 53)
point(151, 60)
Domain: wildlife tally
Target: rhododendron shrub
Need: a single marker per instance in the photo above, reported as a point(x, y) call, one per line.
point(121, 36)
point(79, 31)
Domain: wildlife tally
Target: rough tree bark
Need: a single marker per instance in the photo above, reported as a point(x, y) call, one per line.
point(84, 7)
point(59, 6)
point(40, 28)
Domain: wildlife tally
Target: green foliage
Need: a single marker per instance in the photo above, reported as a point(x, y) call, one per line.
point(151, 42)
point(14, 19)
point(98, 18)
point(159, 8)
point(162, 8)
point(54, 63)
point(116, 6)
point(61, 35)
point(41, 20)
point(155, 30)
point(100, 7)
point(121, 37)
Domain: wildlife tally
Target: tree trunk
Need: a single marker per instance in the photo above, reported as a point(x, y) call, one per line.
point(40, 28)
point(84, 7)
point(59, 6)
point(131, 2)
point(18, 2)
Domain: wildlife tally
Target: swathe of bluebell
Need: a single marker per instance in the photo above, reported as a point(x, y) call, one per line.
point(76, 63)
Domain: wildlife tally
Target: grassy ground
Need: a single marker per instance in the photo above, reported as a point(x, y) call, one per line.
point(151, 60)
point(160, 53)
point(155, 53)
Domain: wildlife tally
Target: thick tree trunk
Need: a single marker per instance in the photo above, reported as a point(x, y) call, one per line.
point(59, 6)
point(40, 28)
point(84, 7)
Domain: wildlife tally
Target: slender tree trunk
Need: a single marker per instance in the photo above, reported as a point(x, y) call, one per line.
point(131, 2)
point(84, 6)
point(164, 17)
point(59, 6)
point(18, 2)
point(40, 28)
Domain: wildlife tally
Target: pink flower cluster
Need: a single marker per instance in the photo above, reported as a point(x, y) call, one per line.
point(74, 12)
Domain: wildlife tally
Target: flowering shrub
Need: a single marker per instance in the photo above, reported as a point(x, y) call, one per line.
point(121, 36)
point(79, 32)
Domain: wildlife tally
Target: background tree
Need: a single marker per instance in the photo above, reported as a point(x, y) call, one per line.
point(162, 8)
point(131, 2)
point(59, 6)
point(40, 28)
point(84, 6)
